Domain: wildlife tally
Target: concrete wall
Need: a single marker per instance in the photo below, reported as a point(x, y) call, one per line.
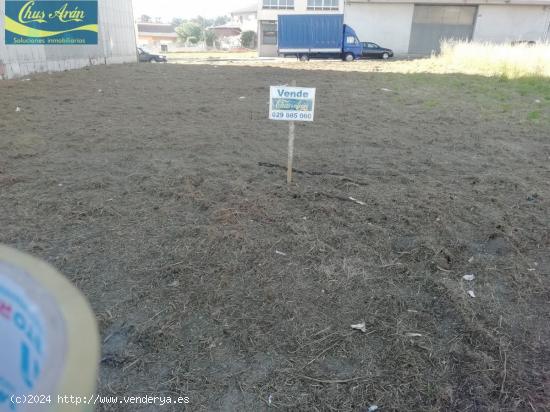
point(265, 50)
point(388, 25)
point(500, 23)
point(116, 44)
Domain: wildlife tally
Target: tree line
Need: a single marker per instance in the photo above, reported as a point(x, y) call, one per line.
point(195, 30)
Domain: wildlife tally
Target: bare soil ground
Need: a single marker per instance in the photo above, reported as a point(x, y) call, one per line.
point(159, 190)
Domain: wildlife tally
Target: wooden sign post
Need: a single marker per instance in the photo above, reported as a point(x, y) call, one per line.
point(291, 135)
point(291, 104)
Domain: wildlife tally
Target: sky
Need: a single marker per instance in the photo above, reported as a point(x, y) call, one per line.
point(168, 9)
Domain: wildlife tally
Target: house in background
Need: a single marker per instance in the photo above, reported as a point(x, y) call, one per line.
point(156, 36)
point(417, 26)
point(228, 35)
point(246, 18)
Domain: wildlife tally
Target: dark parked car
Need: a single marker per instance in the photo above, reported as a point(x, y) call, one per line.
point(145, 56)
point(374, 50)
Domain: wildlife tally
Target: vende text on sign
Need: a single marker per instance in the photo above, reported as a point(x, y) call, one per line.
point(292, 104)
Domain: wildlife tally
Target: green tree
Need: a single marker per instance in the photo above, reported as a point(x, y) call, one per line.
point(195, 30)
point(218, 21)
point(202, 22)
point(189, 32)
point(210, 38)
point(176, 21)
point(248, 39)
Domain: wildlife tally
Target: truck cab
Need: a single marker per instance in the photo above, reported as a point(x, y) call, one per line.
point(353, 48)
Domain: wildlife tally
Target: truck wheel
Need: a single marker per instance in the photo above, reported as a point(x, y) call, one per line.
point(303, 57)
point(385, 56)
point(349, 57)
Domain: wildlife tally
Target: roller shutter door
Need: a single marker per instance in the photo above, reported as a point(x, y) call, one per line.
point(432, 24)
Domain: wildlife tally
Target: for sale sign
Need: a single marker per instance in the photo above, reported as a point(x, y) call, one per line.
point(292, 103)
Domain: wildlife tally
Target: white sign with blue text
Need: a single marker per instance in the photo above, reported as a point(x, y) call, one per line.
point(292, 104)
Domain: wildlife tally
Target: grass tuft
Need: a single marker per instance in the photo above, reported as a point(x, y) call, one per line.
point(535, 115)
point(505, 60)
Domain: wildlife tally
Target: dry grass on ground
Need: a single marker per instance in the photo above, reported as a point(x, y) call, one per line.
point(209, 55)
point(510, 61)
point(483, 59)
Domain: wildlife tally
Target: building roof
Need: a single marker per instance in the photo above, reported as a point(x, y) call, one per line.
point(228, 25)
point(156, 28)
point(226, 30)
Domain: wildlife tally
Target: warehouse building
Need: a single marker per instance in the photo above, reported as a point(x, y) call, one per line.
point(114, 42)
point(417, 27)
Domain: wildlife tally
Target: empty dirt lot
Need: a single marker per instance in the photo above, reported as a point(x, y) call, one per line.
point(157, 189)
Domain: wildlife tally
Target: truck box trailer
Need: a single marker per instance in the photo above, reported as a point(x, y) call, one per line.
point(308, 36)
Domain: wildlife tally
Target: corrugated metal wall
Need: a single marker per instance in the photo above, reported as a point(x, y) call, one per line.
point(116, 44)
point(432, 24)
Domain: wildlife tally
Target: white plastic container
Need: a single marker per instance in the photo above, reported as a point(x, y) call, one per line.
point(49, 346)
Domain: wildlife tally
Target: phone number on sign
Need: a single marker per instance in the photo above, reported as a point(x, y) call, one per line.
point(291, 115)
